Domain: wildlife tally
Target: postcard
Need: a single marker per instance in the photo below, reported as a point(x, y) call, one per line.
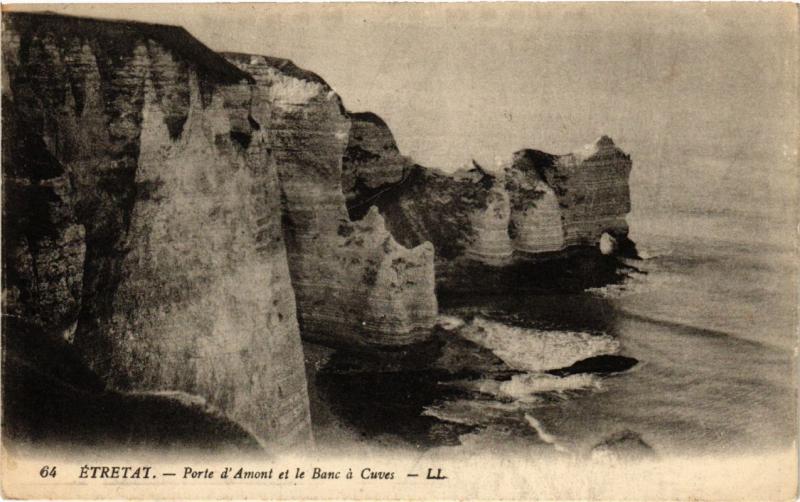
point(400, 251)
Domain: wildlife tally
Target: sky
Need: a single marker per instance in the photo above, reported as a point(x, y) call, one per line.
point(703, 96)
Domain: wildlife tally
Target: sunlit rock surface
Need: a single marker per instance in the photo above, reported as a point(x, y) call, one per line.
point(591, 186)
point(178, 218)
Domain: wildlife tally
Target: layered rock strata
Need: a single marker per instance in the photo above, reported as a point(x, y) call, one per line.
point(179, 218)
point(591, 186)
point(353, 282)
point(537, 206)
point(143, 215)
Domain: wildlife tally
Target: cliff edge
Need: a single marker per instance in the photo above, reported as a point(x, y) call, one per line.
point(176, 219)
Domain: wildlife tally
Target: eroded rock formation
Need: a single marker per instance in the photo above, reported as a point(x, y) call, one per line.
point(178, 218)
point(537, 205)
point(591, 186)
point(354, 283)
point(144, 215)
point(165, 206)
point(372, 157)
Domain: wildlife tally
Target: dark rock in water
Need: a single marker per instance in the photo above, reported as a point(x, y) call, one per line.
point(625, 444)
point(379, 404)
point(460, 356)
point(572, 270)
point(384, 393)
point(174, 219)
point(445, 354)
point(603, 364)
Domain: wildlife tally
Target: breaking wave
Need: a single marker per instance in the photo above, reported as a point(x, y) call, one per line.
point(527, 387)
point(470, 412)
point(544, 435)
point(507, 405)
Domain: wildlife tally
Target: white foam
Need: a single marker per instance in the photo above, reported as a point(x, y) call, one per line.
point(637, 283)
point(449, 322)
point(469, 412)
point(526, 388)
point(526, 384)
point(544, 435)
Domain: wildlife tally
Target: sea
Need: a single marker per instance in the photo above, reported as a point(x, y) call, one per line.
point(709, 313)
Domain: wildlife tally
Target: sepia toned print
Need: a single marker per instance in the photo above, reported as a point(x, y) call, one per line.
point(399, 251)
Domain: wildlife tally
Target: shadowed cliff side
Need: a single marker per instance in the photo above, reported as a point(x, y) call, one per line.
point(142, 217)
point(372, 160)
point(50, 398)
point(176, 219)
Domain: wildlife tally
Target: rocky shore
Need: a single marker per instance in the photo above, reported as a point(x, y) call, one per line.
point(177, 219)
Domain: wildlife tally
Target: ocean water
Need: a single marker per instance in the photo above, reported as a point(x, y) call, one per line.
point(711, 323)
point(709, 313)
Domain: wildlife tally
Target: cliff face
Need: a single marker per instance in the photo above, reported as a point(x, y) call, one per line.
point(176, 218)
point(536, 223)
point(372, 159)
point(354, 283)
point(537, 206)
point(142, 216)
point(591, 186)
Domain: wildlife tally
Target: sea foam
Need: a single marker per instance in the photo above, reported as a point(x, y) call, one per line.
point(526, 388)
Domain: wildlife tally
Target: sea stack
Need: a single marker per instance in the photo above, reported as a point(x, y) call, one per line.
point(591, 186)
point(536, 207)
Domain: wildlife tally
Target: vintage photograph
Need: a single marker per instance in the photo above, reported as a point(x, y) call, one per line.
point(538, 233)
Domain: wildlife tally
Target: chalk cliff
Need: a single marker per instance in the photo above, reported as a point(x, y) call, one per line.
point(142, 216)
point(537, 206)
point(173, 214)
point(591, 186)
point(353, 282)
point(178, 218)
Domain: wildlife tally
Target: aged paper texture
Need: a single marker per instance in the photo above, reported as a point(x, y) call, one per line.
point(533, 251)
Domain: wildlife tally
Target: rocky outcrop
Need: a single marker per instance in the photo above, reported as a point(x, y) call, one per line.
point(622, 445)
point(354, 283)
point(146, 217)
point(591, 186)
point(536, 224)
point(537, 206)
point(414, 209)
point(372, 159)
